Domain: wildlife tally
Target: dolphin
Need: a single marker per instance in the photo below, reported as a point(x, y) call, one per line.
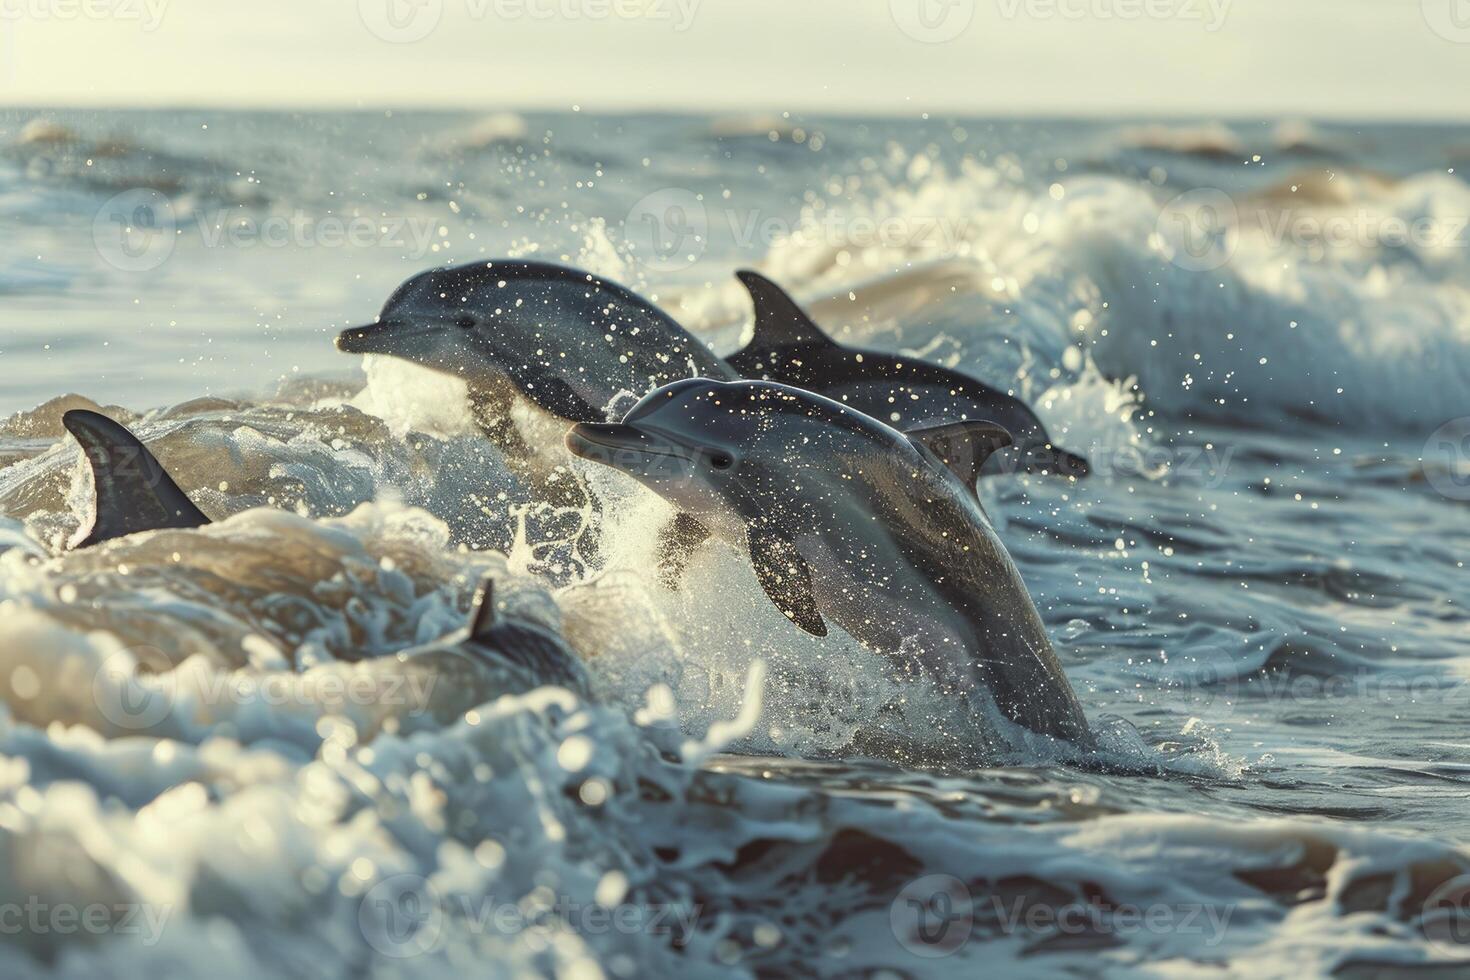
point(569, 341)
point(434, 684)
point(846, 518)
point(133, 490)
point(508, 655)
point(788, 347)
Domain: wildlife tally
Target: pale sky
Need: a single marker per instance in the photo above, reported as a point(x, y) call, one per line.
point(1325, 58)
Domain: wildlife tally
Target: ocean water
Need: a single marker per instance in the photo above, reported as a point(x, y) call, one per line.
point(215, 756)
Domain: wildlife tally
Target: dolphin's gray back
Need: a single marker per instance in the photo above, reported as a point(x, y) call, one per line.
point(134, 492)
point(915, 392)
point(616, 342)
point(594, 339)
point(787, 346)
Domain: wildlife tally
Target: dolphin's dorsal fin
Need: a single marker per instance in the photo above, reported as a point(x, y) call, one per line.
point(133, 490)
point(963, 447)
point(779, 322)
point(785, 577)
point(482, 610)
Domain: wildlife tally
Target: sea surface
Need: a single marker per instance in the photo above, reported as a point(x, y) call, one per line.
point(214, 762)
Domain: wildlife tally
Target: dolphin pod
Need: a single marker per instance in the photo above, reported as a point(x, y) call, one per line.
point(847, 518)
point(572, 342)
point(778, 449)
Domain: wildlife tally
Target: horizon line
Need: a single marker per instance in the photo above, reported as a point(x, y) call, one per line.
point(1010, 112)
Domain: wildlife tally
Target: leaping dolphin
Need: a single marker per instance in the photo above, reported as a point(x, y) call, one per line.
point(133, 490)
point(904, 391)
point(846, 518)
point(571, 342)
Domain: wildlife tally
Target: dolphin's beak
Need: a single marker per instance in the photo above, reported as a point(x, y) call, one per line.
point(375, 338)
point(626, 448)
point(598, 441)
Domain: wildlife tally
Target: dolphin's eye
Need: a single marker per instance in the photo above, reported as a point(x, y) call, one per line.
point(464, 321)
point(721, 461)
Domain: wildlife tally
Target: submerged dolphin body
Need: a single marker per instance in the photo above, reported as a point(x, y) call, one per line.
point(133, 490)
point(847, 518)
point(510, 656)
point(904, 391)
point(569, 341)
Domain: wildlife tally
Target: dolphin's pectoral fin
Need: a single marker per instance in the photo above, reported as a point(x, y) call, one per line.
point(677, 541)
point(786, 577)
point(962, 446)
point(779, 322)
point(134, 492)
